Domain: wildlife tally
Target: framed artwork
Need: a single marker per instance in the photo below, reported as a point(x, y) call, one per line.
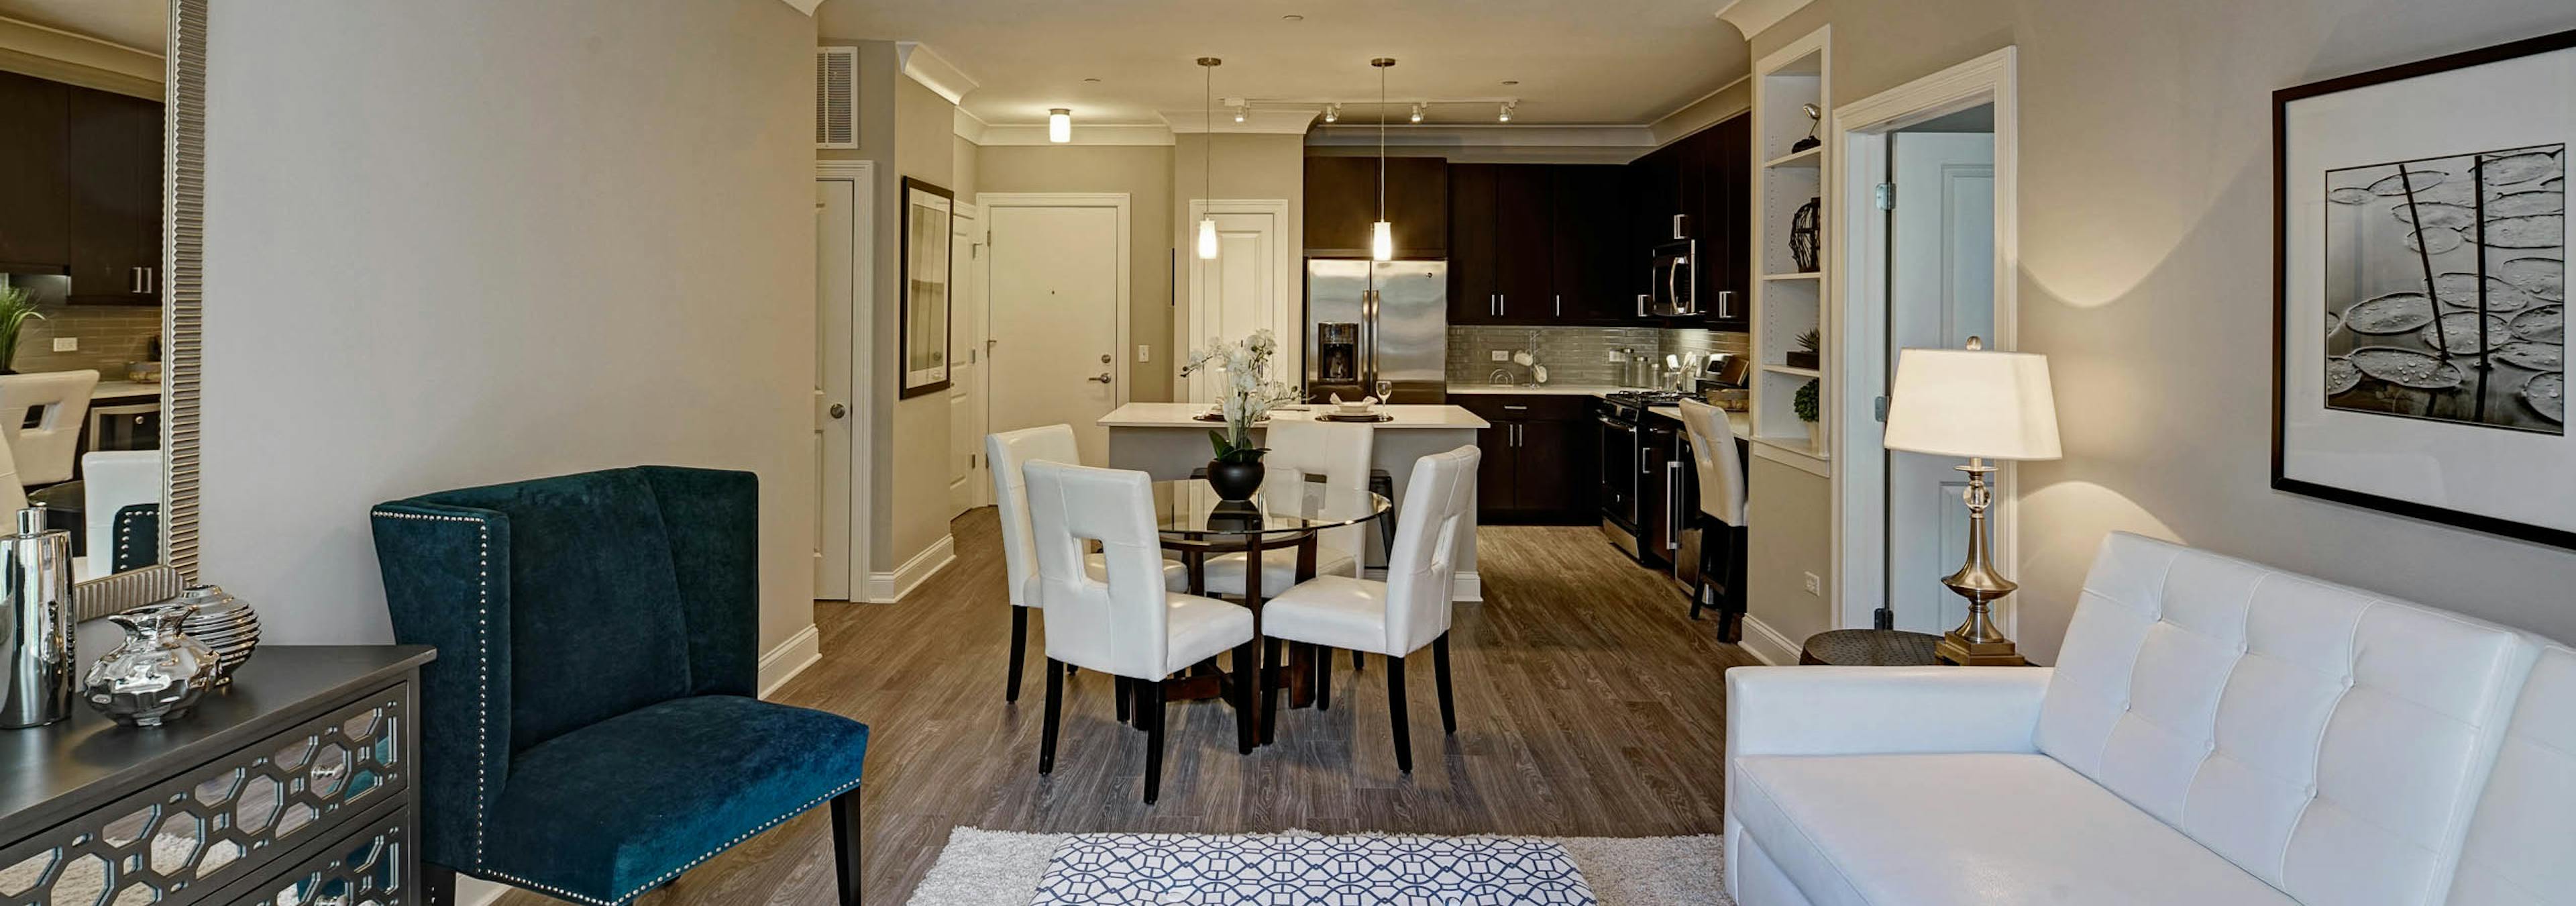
point(924, 315)
point(2420, 297)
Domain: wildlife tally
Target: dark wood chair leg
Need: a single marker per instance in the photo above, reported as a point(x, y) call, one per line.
point(1709, 539)
point(1149, 711)
point(1307, 652)
point(1730, 623)
point(1054, 712)
point(845, 845)
point(1440, 675)
point(1359, 661)
point(1019, 650)
point(438, 883)
point(1270, 666)
point(1126, 690)
point(1395, 712)
point(1324, 679)
point(1247, 673)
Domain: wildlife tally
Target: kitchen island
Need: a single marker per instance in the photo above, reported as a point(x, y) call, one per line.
point(1167, 441)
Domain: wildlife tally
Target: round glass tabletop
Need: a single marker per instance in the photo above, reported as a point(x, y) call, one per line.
point(1286, 503)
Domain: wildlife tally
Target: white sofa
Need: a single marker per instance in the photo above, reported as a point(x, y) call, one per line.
point(2215, 732)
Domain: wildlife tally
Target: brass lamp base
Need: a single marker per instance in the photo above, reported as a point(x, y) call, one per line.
point(1977, 643)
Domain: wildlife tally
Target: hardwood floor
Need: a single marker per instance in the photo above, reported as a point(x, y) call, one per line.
point(1588, 705)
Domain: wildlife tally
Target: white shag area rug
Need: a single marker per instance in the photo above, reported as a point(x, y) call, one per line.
point(984, 868)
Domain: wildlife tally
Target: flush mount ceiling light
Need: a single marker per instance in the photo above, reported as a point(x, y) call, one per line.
point(1059, 125)
point(1207, 168)
point(1417, 108)
point(1506, 115)
point(1332, 113)
point(1382, 233)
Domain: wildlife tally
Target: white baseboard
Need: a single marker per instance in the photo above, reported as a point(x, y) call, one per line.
point(478, 892)
point(791, 657)
point(888, 587)
point(1767, 644)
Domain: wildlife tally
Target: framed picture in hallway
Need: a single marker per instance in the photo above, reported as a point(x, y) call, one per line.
point(2420, 296)
point(924, 287)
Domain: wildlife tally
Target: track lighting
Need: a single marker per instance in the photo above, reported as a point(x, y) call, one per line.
point(1417, 113)
point(1059, 125)
point(1332, 113)
point(1506, 115)
point(1242, 111)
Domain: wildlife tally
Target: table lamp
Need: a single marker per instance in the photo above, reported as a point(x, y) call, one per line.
point(1981, 405)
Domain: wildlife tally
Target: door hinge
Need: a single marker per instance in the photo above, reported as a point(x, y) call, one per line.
point(1884, 196)
point(1879, 409)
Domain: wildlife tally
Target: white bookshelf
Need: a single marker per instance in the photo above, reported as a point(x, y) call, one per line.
point(1788, 300)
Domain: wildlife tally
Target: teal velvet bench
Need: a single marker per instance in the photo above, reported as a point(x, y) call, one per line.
point(591, 728)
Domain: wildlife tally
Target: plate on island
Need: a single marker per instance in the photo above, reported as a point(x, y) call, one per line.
point(1354, 417)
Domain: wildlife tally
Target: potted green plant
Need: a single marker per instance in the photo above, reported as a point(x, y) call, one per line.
point(1806, 405)
point(1236, 471)
point(16, 306)
point(1806, 355)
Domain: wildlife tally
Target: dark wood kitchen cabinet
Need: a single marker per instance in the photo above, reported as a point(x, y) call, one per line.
point(1540, 245)
point(32, 197)
point(1524, 245)
point(112, 157)
point(1700, 188)
point(1342, 206)
point(1599, 266)
point(1537, 466)
point(1471, 244)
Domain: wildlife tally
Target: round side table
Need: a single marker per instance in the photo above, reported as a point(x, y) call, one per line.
point(1870, 648)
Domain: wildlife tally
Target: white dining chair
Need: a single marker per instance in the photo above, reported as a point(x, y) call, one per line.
point(1005, 454)
point(45, 450)
point(1123, 622)
point(1337, 454)
point(112, 480)
point(13, 493)
point(1720, 513)
point(1409, 610)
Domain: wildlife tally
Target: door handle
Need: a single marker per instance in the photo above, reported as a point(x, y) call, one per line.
point(1103, 378)
point(839, 411)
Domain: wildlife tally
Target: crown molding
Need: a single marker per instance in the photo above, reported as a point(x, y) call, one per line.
point(63, 56)
point(997, 135)
point(967, 125)
point(1753, 16)
point(934, 72)
point(804, 6)
point(1494, 136)
point(1261, 121)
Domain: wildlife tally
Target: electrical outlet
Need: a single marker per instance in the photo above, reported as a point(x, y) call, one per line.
point(1144, 353)
point(1815, 586)
point(66, 344)
point(1500, 355)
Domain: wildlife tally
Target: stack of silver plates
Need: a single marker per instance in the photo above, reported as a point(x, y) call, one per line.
point(225, 624)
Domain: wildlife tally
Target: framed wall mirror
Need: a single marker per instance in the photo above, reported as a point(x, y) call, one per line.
point(100, 286)
point(927, 210)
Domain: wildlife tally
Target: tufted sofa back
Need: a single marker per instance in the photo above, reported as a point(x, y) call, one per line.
point(2522, 844)
point(2327, 740)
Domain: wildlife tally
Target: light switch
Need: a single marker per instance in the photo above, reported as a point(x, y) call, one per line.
point(1815, 586)
point(1501, 356)
point(66, 344)
point(1144, 353)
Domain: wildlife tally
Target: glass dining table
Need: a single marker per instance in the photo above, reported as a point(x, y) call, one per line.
point(1288, 512)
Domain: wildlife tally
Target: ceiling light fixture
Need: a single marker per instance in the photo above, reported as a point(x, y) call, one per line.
point(1332, 113)
point(1207, 167)
point(1417, 107)
point(1382, 233)
point(1059, 125)
point(1242, 111)
point(1506, 115)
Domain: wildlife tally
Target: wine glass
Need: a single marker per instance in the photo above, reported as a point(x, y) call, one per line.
point(1385, 391)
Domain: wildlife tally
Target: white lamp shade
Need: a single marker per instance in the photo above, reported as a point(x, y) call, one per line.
point(1958, 402)
point(1059, 125)
point(1207, 237)
point(1382, 241)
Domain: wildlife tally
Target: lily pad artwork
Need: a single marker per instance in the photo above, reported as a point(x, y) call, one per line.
point(2445, 288)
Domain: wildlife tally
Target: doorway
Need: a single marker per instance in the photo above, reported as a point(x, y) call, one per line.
point(969, 484)
point(844, 275)
point(1928, 187)
point(1057, 291)
point(1251, 284)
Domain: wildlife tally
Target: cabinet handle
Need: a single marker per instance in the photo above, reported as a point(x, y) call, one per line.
point(133, 279)
point(151, 280)
point(1673, 505)
point(1560, 306)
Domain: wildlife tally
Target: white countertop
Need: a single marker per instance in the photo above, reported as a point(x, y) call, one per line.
point(1534, 389)
point(116, 389)
point(1184, 415)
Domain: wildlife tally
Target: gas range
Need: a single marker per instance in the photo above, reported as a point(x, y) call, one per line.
point(1627, 405)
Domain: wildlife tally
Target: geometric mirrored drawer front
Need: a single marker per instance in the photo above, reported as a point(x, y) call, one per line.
point(365, 870)
point(207, 827)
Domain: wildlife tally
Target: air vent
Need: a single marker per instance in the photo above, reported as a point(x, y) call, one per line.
point(836, 97)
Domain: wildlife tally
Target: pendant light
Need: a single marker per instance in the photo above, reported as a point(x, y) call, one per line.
point(1207, 167)
point(1382, 234)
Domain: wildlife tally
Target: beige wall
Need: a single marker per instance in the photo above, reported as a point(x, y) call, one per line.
point(1247, 167)
point(1790, 512)
point(1144, 172)
point(924, 150)
point(597, 250)
point(2146, 229)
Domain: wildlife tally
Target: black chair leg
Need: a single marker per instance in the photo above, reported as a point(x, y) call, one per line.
point(1730, 621)
point(1019, 650)
point(1054, 712)
point(1149, 711)
point(845, 845)
point(1395, 712)
point(1359, 661)
point(1247, 671)
point(438, 884)
point(1270, 666)
point(1323, 678)
point(1440, 674)
point(1126, 690)
point(1309, 653)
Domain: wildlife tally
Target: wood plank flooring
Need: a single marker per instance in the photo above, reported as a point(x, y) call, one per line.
point(1588, 705)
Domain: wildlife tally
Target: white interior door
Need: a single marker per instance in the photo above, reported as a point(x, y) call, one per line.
point(1251, 284)
point(1054, 291)
point(968, 486)
point(1941, 291)
point(843, 265)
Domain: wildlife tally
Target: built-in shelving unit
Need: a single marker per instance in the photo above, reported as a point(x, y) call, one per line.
point(1789, 300)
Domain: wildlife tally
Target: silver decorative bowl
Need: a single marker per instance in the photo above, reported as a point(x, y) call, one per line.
point(224, 623)
point(158, 674)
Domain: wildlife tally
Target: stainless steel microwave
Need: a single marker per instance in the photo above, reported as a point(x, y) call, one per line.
point(1673, 279)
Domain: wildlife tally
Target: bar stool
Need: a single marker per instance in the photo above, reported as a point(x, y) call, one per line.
point(1720, 516)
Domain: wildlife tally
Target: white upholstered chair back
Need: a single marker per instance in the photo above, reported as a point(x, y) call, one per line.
point(1121, 626)
point(2325, 739)
point(1418, 574)
point(45, 450)
point(2521, 847)
point(13, 492)
point(112, 480)
point(1337, 453)
point(1005, 455)
point(1721, 471)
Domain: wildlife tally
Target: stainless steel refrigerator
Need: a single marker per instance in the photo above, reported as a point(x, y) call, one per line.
point(1370, 321)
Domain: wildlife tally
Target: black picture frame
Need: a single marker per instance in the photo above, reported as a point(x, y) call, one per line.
point(2282, 100)
point(932, 377)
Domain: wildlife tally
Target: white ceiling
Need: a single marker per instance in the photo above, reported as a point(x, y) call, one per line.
point(1577, 61)
point(138, 24)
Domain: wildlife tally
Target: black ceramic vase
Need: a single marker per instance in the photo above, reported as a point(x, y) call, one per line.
point(1234, 480)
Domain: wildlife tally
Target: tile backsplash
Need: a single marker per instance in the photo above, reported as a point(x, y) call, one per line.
point(1574, 355)
point(110, 335)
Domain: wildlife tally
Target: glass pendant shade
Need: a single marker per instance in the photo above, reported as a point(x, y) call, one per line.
point(1059, 125)
point(1382, 241)
point(1207, 238)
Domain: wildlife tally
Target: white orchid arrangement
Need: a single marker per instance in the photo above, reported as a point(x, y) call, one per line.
point(1250, 394)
